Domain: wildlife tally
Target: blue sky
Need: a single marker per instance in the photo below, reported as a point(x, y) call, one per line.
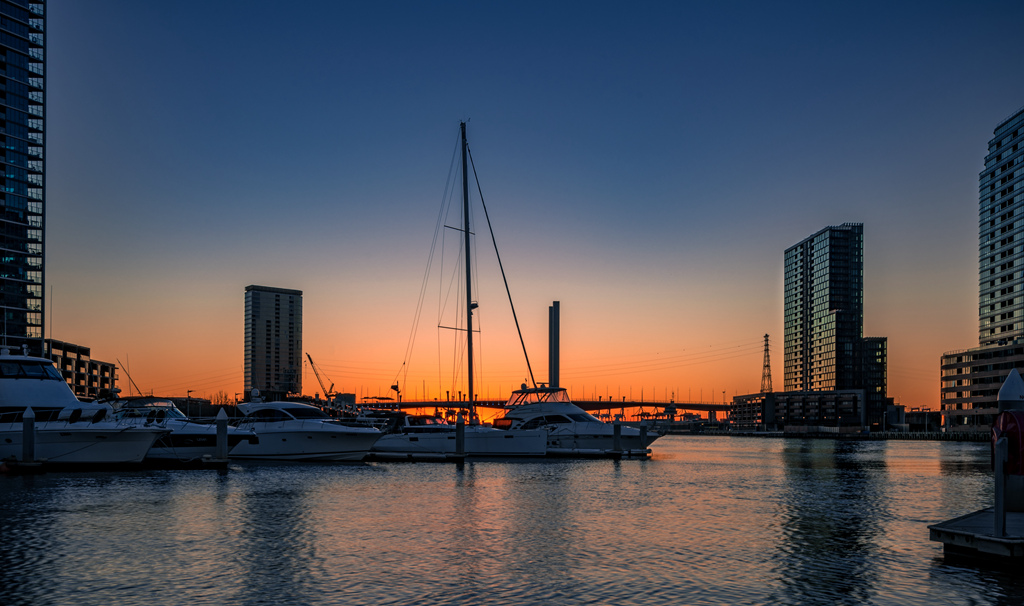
point(645, 163)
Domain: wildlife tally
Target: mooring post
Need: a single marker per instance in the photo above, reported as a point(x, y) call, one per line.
point(617, 436)
point(1000, 496)
point(222, 435)
point(460, 435)
point(28, 436)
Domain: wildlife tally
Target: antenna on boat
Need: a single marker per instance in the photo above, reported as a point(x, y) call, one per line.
point(130, 380)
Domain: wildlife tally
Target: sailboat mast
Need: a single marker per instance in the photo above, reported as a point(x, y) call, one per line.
point(469, 274)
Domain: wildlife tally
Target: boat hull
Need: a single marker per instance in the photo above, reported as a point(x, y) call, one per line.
point(441, 445)
point(599, 441)
point(183, 446)
point(92, 445)
point(306, 445)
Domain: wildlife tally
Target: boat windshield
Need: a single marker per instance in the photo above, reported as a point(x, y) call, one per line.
point(305, 413)
point(169, 410)
point(29, 370)
point(269, 415)
point(535, 396)
point(419, 420)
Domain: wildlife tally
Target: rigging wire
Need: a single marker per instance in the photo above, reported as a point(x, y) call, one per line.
point(500, 266)
point(478, 327)
point(426, 272)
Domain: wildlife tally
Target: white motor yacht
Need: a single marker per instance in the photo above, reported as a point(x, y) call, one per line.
point(291, 431)
point(188, 441)
point(431, 437)
point(571, 431)
point(66, 431)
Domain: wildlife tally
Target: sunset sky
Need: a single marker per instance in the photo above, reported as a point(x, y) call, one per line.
point(645, 164)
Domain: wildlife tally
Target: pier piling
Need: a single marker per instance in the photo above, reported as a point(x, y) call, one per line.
point(28, 436)
point(460, 435)
point(222, 435)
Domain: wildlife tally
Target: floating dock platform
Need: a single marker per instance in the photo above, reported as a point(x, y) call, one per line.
point(973, 535)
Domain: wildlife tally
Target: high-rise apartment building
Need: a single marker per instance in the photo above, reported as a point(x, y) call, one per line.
point(971, 378)
point(825, 348)
point(1000, 247)
point(273, 341)
point(22, 199)
point(824, 309)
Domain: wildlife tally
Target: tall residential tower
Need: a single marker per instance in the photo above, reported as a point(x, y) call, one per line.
point(971, 377)
point(273, 341)
point(1000, 222)
point(22, 199)
point(824, 309)
point(825, 348)
point(835, 378)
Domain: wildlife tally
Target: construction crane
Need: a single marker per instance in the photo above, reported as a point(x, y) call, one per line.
point(328, 393)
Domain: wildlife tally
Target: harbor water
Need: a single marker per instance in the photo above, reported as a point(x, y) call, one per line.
point(707, 520)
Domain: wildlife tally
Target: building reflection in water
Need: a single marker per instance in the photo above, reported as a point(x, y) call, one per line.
point(833, 503)
point(276, 545)
point(714, 520)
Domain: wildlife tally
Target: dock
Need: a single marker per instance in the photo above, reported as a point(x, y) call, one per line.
point(973, 535)
point(997, 532)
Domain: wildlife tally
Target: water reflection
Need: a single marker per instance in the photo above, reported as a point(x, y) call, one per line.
point(275, 549)
point(541, 502)
point(832, 504)
point(711, 520)
point(26, 548)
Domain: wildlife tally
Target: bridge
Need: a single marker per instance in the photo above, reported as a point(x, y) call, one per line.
point(588, 405)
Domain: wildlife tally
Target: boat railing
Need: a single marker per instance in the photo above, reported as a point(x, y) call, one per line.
point(54, 419)
point(10, 417)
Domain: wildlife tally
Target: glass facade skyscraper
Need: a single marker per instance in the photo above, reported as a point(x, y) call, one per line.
point(824, 310)
point(23, 200)
point(971, 378)
point(273, 341)
point(1001, 241)
point(825, 348)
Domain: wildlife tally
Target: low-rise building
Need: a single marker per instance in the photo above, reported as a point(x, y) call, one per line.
point(88, 378)
point(971, 379)
point(784, 410)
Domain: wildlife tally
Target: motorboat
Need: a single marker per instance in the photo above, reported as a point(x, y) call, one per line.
point(571, 431)
point(292, 431)
point(432, 437)
point(188, 442)
point(66, 431)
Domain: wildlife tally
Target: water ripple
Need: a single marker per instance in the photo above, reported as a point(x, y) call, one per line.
point(707, 521)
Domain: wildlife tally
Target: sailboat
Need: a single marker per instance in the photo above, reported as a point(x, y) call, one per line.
point(431, 437)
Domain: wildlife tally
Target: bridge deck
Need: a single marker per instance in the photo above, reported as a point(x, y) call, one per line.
point(588, 405)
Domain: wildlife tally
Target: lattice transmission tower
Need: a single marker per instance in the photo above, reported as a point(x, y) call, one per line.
point(766, 373)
